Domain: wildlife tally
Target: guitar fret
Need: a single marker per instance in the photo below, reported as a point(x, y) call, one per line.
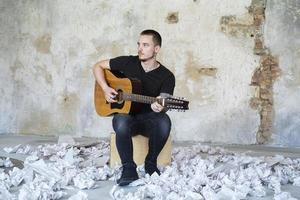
point(138, 98)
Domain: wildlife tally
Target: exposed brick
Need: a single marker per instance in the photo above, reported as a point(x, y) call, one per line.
point(268, 70)
point(255, 103)
point(264, 76)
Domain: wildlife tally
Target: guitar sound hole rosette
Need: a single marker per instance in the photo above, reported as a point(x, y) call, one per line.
point(119, 96)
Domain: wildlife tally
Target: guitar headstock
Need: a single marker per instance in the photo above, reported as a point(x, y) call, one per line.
point(176, 103)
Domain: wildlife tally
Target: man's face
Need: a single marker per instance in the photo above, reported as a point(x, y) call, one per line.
point(146, 48)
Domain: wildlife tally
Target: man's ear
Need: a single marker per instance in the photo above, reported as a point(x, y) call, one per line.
point(156, 48)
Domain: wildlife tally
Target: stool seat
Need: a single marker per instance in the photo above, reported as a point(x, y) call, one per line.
point(140, 151)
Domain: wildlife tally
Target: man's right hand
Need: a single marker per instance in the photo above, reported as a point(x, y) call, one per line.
point(110, 94)
point(98, 69)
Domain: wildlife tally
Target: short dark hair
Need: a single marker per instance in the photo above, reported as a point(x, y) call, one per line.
point(156, 36)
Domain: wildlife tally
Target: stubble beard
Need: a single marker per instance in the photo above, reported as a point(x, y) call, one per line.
point(146, 59)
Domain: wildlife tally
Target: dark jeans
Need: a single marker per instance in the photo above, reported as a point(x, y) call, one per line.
point(155, 126)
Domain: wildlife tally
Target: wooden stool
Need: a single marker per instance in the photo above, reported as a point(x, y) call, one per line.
point(140, 151)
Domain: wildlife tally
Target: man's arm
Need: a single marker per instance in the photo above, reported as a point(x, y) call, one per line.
point(98, 71)
point(156, 107)
point(167, 89)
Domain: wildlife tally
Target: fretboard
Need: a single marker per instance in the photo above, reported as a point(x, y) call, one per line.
point(138, 98)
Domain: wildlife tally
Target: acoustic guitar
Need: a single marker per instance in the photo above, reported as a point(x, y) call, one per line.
point(128, 97)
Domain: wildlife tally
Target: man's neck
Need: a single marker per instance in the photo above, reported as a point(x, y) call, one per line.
point(150, 65)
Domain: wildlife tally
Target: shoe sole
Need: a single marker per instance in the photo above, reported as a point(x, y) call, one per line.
point(126, 182)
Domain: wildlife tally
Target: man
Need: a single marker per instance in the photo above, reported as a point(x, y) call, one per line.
point(150, 120)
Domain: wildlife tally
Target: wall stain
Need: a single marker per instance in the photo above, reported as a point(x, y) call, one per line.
point(41, 71)
point(208, 71)
point(196, 73)
point(67, 110)
point(172, 18)
point(61, 120)
point(42, 44)
point(237, 27)
point(129, 19)
point(114, 48)
point(195, 70)
point(37, 121)
point(263, 78)
point(266, 73)
point(17, 65)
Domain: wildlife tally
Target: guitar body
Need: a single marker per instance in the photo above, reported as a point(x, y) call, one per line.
point(119, 82)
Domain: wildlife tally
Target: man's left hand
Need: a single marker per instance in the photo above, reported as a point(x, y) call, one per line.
point(156, 107)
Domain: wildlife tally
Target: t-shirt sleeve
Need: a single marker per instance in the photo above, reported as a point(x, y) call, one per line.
point(118, 63)
point(168, 85)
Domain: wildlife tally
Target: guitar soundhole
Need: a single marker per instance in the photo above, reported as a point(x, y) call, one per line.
point(120, 102)
point(117, 105)
point(119, 97)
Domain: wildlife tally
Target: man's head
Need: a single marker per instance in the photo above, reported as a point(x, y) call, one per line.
point(149, 44)
point(155, 36)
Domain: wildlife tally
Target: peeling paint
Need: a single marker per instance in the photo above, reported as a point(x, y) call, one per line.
point(208, 71)
point(195, 70)
point(265, 75)
point(237, 27)
point(172, 18)
point(199, 76)
point(43, 43)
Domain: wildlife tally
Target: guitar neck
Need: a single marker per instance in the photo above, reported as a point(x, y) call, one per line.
point(138, 98)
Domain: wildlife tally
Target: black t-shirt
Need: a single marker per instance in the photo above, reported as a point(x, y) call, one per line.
point(159, 80)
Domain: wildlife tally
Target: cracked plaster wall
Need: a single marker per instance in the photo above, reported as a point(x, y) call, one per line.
point(282, 35)
point(48, 49)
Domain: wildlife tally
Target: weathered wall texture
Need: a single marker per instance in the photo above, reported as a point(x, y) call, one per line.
point(282, 36)
point(219, 50)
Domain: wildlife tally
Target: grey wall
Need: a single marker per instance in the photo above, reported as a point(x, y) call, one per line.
point(282, 33)
point(48, 49)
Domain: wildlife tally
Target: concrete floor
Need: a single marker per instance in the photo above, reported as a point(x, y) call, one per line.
point(104, 187)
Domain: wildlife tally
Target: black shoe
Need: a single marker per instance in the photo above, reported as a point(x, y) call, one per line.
point(150, 168)
point(129, 175)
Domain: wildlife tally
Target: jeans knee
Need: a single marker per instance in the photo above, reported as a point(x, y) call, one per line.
point(164, 125)
point(121, 124)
